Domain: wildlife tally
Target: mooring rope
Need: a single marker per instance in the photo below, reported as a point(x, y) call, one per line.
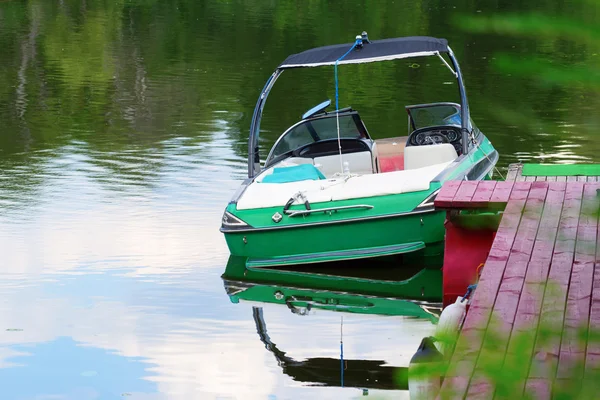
point(342, 352)
point(358, 42)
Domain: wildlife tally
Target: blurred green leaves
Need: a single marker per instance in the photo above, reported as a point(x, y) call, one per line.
point(551, 34)
point(532, 24)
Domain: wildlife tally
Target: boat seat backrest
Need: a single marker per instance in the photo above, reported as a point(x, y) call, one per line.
point(359, 163)
point(424, 156)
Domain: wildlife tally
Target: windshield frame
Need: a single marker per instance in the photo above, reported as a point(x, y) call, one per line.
point(412, 122)
point(361, 128)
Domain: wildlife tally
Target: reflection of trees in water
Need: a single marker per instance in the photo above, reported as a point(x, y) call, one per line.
point(119, 76)
point(550, 54)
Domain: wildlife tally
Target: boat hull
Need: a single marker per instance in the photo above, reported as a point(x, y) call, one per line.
point(359, 238)
point(350, 229)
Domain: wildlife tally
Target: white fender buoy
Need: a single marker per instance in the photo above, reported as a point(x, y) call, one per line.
point(424, 377)
point(449, 324)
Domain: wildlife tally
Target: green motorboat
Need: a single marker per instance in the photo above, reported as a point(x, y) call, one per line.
point(327, 191)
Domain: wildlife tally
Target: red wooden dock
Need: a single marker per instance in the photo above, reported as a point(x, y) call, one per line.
point(542, 271)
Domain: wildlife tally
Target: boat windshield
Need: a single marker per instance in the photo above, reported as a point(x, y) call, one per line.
point(318, 129)
point(434, 115)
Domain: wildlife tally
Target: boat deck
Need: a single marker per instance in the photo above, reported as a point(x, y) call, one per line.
point(542, 275)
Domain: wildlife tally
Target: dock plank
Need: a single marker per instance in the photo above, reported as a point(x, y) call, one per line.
point(507, 299)
point(546, 353)
point(514, 170)
point(522, 338)
point(572, 351)
point(446, 194)
point(592, 353)
point(483, 194)
point(470, 341)
point(501, 193)
point(464, 194)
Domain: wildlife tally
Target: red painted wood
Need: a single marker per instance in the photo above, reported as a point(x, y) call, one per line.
point(545, 356)
point(580, 287)
point(556, 241)
point(592, 358)
point(520, 190)
point(480, 388)
point(530, 302)
point(464, 250)
point(539, 388)
point(501, 193)
point(464, 194)
point(471, 338)
point(507, 299)
point(446, 194)
point(483, 194)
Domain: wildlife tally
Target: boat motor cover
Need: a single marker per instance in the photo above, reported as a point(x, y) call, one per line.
point(294, 174)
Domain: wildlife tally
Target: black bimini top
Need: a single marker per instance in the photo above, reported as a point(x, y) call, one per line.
point(376, 50)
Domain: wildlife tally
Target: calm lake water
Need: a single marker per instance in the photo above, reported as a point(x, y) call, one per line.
point(124, 134)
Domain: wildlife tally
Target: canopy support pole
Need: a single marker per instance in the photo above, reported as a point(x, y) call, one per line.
point(464, 104)
point(253, 150)
point(447, 65)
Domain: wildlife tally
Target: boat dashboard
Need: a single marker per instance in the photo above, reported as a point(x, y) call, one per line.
point(436, 135)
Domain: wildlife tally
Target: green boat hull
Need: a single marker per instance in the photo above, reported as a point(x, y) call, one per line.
point(342, 240)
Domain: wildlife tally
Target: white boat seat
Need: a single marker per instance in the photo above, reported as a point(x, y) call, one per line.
point(424, 156)
point(262, 195)
point(359, 163)
point(388, 183)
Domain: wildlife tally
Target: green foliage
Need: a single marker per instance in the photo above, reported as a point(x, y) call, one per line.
point(553, 31)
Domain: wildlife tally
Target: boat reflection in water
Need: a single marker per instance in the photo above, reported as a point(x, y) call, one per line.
point(413, 292)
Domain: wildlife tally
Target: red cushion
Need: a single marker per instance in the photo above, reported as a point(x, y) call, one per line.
point(391, 163)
